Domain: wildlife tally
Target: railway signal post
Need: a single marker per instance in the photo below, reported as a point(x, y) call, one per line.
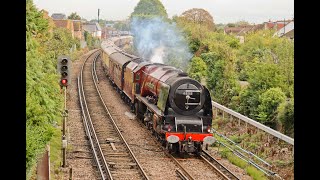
point(64, 69)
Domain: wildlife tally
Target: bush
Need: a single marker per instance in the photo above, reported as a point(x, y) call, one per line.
point(269, 102)
point(44, 102)
point(197, 68)
point(286, 117)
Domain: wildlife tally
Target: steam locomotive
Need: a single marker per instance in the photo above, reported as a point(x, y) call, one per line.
point(176, 108)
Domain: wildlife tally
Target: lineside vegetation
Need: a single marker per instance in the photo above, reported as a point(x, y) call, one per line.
point(44, 101)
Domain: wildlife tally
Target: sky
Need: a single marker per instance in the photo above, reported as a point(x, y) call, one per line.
point(223, 11)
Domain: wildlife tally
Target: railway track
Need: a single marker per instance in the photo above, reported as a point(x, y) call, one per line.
point(207, 159)
point(113, 157)
point(183, 171)
point(222, 170)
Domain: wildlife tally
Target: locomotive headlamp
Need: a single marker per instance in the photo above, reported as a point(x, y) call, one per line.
point(173, 139)
point(208, 129)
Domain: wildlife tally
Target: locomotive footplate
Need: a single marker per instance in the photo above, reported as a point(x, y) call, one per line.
point(152, 107)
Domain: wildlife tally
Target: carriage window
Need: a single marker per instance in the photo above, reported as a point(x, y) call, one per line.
point(138, 77)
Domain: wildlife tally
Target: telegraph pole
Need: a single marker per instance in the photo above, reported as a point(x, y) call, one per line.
point(98, 15)
point(284, 27)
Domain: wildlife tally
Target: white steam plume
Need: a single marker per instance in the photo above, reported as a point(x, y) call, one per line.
point(160, 41)
point(158, 54)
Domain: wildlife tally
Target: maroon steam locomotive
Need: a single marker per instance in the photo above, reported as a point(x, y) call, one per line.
point(176, 108)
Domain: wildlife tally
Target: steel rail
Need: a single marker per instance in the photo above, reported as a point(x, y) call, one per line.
point(218, 166)
point(186, 175)
point(181, 175)
point(86, 126)
point(180, 166)
point(95, 72)
point(116, 127)
point(103, 163)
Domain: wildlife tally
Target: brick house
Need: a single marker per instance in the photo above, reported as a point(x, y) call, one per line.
point(77, 28)
point(276, 25)
point(65, 23)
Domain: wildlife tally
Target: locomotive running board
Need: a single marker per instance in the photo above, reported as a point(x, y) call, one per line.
point(152, 107)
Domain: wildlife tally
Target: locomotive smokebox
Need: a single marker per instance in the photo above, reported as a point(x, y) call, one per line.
point(186, 95)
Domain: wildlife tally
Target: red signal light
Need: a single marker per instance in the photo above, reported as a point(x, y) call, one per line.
point(64, 82)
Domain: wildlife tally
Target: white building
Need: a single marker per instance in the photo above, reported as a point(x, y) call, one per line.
point(287, 30)
point(93, 28)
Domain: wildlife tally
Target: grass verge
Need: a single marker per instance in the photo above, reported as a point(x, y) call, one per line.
point(250, 170)
point(55, 153)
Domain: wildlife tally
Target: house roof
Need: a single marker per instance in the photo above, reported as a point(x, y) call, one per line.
point(58, 16)
point(257, 27)
point(91, 27)
point(286, 29)
point(109, 25)
point(238, 30)
point(280, 24)
point(233, 30)
point(245, 30)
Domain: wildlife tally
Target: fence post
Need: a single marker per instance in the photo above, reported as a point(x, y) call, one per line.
point(43, 166)
point(70, 174)
point(216, 112)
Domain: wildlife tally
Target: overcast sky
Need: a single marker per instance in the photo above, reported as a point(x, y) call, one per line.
point(223, 11)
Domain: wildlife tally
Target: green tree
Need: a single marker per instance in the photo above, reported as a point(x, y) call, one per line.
point(35, 23)
point(61, 42)
point(44, 102)
point(231, 25)
point(286, 117)
point(122, 26)
point(200, 17)
point(197, 69)
point(89, 39)
point(92, 42)
point(269, 102)
point(74, 16)
point(149, 8)
point(263, 76)
point(261, 64)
